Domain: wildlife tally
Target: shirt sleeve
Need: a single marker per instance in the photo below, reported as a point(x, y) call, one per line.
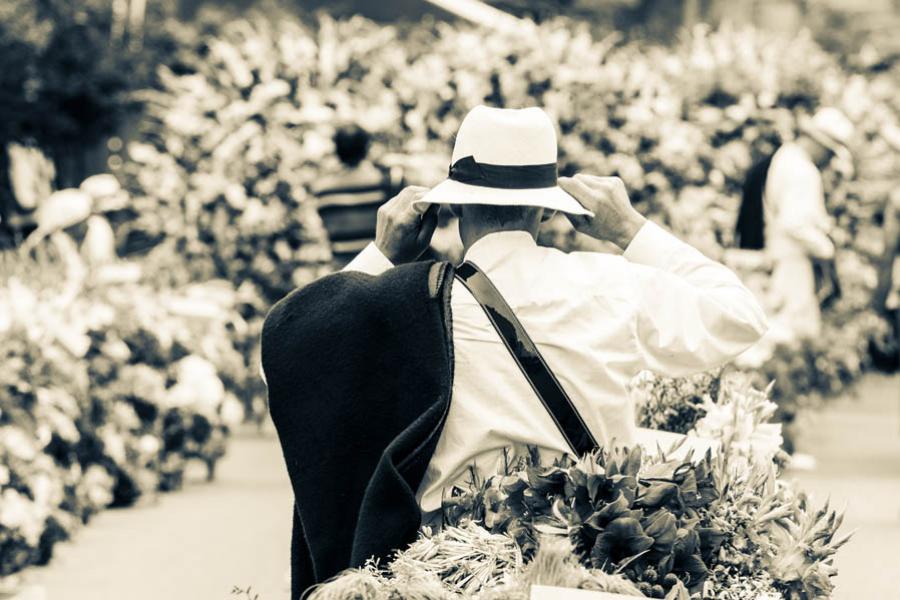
point(801, 211)
point(370, 260)
point(693, 313)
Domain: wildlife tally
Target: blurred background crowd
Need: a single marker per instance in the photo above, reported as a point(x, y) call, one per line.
point(170, 168)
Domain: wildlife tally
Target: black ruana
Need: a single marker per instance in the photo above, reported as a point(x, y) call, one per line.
point(359, 370)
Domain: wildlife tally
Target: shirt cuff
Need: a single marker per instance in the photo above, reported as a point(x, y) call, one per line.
point(370, 260)
point(651, 246)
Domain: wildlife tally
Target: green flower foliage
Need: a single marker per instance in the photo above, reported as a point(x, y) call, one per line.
point(621, 515)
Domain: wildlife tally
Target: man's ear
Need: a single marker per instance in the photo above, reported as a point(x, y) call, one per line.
point(547, 215)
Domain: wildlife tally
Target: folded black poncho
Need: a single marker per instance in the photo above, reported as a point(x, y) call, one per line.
point(359, 371)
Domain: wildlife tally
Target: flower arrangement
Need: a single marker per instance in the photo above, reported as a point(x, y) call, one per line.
point(718, 406)
point(434, 567)
point(716, 526)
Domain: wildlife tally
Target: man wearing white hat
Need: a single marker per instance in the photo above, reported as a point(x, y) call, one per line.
point(797, 223)
point(388, 381)
point(598, 319)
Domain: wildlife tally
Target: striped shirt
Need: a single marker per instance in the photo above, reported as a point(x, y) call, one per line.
point(348, 202)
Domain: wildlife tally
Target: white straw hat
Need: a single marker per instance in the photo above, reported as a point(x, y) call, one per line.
point(505, 157)
point(831, 128)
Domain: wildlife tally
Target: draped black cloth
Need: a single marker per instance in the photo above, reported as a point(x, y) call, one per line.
point(359, 370)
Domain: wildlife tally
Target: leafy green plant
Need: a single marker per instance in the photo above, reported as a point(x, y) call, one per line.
point(621, 515)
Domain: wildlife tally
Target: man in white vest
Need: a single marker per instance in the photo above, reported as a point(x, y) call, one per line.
point(797, 223)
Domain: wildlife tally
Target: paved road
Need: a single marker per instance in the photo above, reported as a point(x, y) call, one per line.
point(199, 543)
point(857, 444)
point(195, 544)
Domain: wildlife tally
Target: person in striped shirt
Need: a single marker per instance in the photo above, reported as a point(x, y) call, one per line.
point(349, 198)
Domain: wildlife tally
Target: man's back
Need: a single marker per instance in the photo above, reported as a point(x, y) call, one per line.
point(598, 319)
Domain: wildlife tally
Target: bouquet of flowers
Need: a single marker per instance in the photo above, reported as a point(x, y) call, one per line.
point(715, 526)
point(671, 404)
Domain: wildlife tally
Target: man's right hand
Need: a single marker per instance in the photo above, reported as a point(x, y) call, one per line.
point(403, 230)
point(614, 220)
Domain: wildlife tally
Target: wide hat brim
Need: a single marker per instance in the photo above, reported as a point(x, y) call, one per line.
point(552, 198)
point(840, 150)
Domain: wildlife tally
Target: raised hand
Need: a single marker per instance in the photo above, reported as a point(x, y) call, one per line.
point(403, 230)
point(614, 220)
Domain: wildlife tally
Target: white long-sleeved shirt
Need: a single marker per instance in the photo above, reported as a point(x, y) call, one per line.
point(598, 320)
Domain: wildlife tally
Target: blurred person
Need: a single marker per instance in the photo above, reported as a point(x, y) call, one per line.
point(389, 380)
point(886, 299)
point(783, 214)
point(348, 199)
point(797, 224)
point(882, 300)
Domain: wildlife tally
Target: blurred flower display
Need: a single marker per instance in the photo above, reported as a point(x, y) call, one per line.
point(234, 142)
point(109, 385)
point(68, 69)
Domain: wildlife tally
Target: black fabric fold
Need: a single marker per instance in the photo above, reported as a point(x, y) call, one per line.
point(359, 371)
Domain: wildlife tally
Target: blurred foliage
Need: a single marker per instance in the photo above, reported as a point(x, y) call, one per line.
point(861, 38)
point(109, 388)
point(65, 76)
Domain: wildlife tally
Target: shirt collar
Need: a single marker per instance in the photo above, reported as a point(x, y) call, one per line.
point(498, 247)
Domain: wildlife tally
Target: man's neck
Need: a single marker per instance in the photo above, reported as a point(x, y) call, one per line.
point(470, 235)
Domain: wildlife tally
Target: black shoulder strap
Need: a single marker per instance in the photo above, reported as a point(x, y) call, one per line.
point(528, 357)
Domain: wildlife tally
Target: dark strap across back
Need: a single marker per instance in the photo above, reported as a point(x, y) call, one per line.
point(528, 357)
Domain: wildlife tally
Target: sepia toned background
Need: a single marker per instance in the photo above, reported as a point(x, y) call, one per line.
point(158, 174)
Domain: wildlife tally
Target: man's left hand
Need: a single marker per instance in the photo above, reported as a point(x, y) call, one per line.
point(614, 220)
point(403, 229)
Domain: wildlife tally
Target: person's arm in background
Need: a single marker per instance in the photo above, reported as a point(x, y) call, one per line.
point(891, 231)
point(402, 233)
point(801, 213)
point(693, 313)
